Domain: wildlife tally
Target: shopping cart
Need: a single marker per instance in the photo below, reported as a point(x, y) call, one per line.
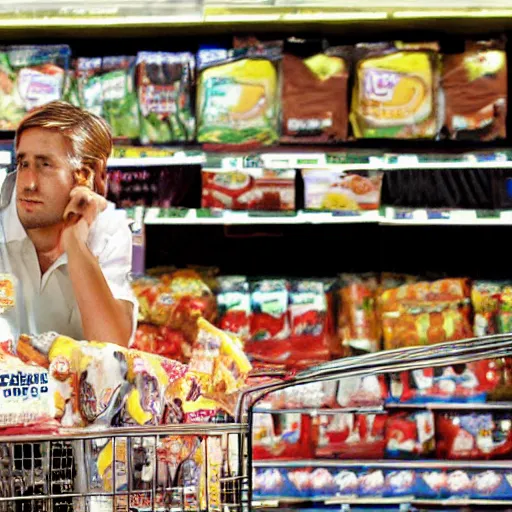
point(182, 468)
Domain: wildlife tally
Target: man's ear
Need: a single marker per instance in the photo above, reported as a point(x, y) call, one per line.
point(84, 177)
point(100, 178)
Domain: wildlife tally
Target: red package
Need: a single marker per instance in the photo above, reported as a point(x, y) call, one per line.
point(483, 435)
point(369, 391)
point(234, 306)
point(282, 436)
point(163, 341)
point(351, 436)
point(469, 382)
point(249, 189)
point(409, 435)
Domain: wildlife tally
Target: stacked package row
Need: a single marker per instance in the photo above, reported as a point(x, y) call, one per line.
point(301, 322)
point(256, 94)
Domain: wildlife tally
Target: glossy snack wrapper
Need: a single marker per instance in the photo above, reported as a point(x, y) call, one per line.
point(164, 82)
point(486, 298)
point(358, 326)
point(238, 96)
point(163, 341)
point(474, 436)
point(314, 92)
point(248, 189)
point(475, 88)
point(234, 306)
point(395, 91)
point(119, 97)
point(88, 80)
point(426, 313)
point(30, 76)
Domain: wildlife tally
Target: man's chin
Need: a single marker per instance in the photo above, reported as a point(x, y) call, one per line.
point(32, 223)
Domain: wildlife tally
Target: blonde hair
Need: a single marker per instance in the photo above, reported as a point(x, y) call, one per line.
point(89, 137)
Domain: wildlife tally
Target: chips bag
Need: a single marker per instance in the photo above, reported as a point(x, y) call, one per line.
point(238, 96)
point(88, 77)
point(395, 91)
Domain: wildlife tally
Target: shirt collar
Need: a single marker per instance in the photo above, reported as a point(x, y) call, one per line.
point(13, 229)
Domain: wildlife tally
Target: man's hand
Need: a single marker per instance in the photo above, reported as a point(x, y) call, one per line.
point(83, 208)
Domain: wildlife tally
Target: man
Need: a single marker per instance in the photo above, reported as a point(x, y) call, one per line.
point(69, 249)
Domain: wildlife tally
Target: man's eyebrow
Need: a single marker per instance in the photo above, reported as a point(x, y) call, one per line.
point(37, 157)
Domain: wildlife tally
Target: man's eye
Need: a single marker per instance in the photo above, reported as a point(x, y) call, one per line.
point(22, 165)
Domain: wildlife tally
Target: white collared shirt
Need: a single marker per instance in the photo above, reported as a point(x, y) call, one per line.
point(48, 301)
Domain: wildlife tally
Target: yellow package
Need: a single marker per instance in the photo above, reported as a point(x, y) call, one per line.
point(237, 97)
point(395, 93)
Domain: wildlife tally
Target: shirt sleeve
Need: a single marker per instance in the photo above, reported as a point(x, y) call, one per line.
point(110, 240)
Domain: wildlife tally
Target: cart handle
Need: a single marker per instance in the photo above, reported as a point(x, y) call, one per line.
point(398, 360)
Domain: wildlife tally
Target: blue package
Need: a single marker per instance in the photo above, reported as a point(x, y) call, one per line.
point(401, 482)
point(270, 482)
point(372, 482)
point(347, 481)
point(492, 484)
point(430, 484)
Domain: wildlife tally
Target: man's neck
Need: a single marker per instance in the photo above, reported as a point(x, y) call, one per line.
point(47, 244)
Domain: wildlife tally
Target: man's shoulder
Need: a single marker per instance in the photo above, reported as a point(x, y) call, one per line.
point(112, 221)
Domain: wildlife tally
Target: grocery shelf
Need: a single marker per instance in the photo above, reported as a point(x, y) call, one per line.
point(482, 406)
point(174, 216)
point(179, 158)
point(316, 412)
point(445, 217)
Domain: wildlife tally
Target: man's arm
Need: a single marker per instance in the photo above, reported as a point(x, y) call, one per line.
point(104, 318)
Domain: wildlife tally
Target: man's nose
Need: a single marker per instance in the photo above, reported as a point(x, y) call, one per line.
point(31, 179)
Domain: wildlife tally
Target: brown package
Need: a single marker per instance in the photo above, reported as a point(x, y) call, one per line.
point(314, 97)
point(475, 88)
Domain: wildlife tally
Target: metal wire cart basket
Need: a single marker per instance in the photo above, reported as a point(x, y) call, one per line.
point(195, 467)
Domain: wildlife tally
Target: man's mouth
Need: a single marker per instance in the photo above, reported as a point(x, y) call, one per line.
point(31, 201)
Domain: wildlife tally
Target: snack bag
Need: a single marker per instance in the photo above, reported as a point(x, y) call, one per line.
point(30, 76)
point(426, 313)
point(369, 391)
point(234, 306)
point(409, 435)
point(471, 382)
point(249, 189)
point(475, 87)
point(163, 341)
point(238, 96)
point(474, 436)
point(485, 297)
point(119, 97)
point(314, 92)
point(395, 91)
point(164, 82)
point(505, 310)
point(358, 326)
point(88, 76)
point(351, 436)
point(333, 190)
point(27, 393)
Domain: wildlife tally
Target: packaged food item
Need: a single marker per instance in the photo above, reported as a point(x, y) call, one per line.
point(119, 97)
point(238, 96)
point(88, 76)
point(269, 482)
point(505, 310)
point(474, 436)
point(395, 91)
point(358, 326)
point(341, 190)
point(249, 189)
point(26, 393)
point(485, 297)
point(372, 482)
point(282, 436)
point(470, 382)
point(163, 341)
point(400, 483)
point(475, 88)
point(314, 92)
point(164, 82)
point(410, 435)
point(367, 391)
point(269, 303)
point(351, 436)
point(234, 306)
point(30, 76)
point(426, 313)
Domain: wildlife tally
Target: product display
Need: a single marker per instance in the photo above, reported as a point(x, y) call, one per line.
point(314, 92)
point(331, 190)
point(395, 91)
point(475, 87)
point(248, 189)
point(238, 96)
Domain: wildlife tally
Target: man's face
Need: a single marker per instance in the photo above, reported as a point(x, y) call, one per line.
point(44, 179)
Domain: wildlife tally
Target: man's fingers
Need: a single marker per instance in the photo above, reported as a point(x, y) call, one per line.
point(85, 203)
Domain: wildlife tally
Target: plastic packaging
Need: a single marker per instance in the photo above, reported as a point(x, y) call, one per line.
point(164, 82)
point(341, 190)
point(395, 91)
point(88, 79)
point(475, 88)
point(238, 96)
point(314, 92)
